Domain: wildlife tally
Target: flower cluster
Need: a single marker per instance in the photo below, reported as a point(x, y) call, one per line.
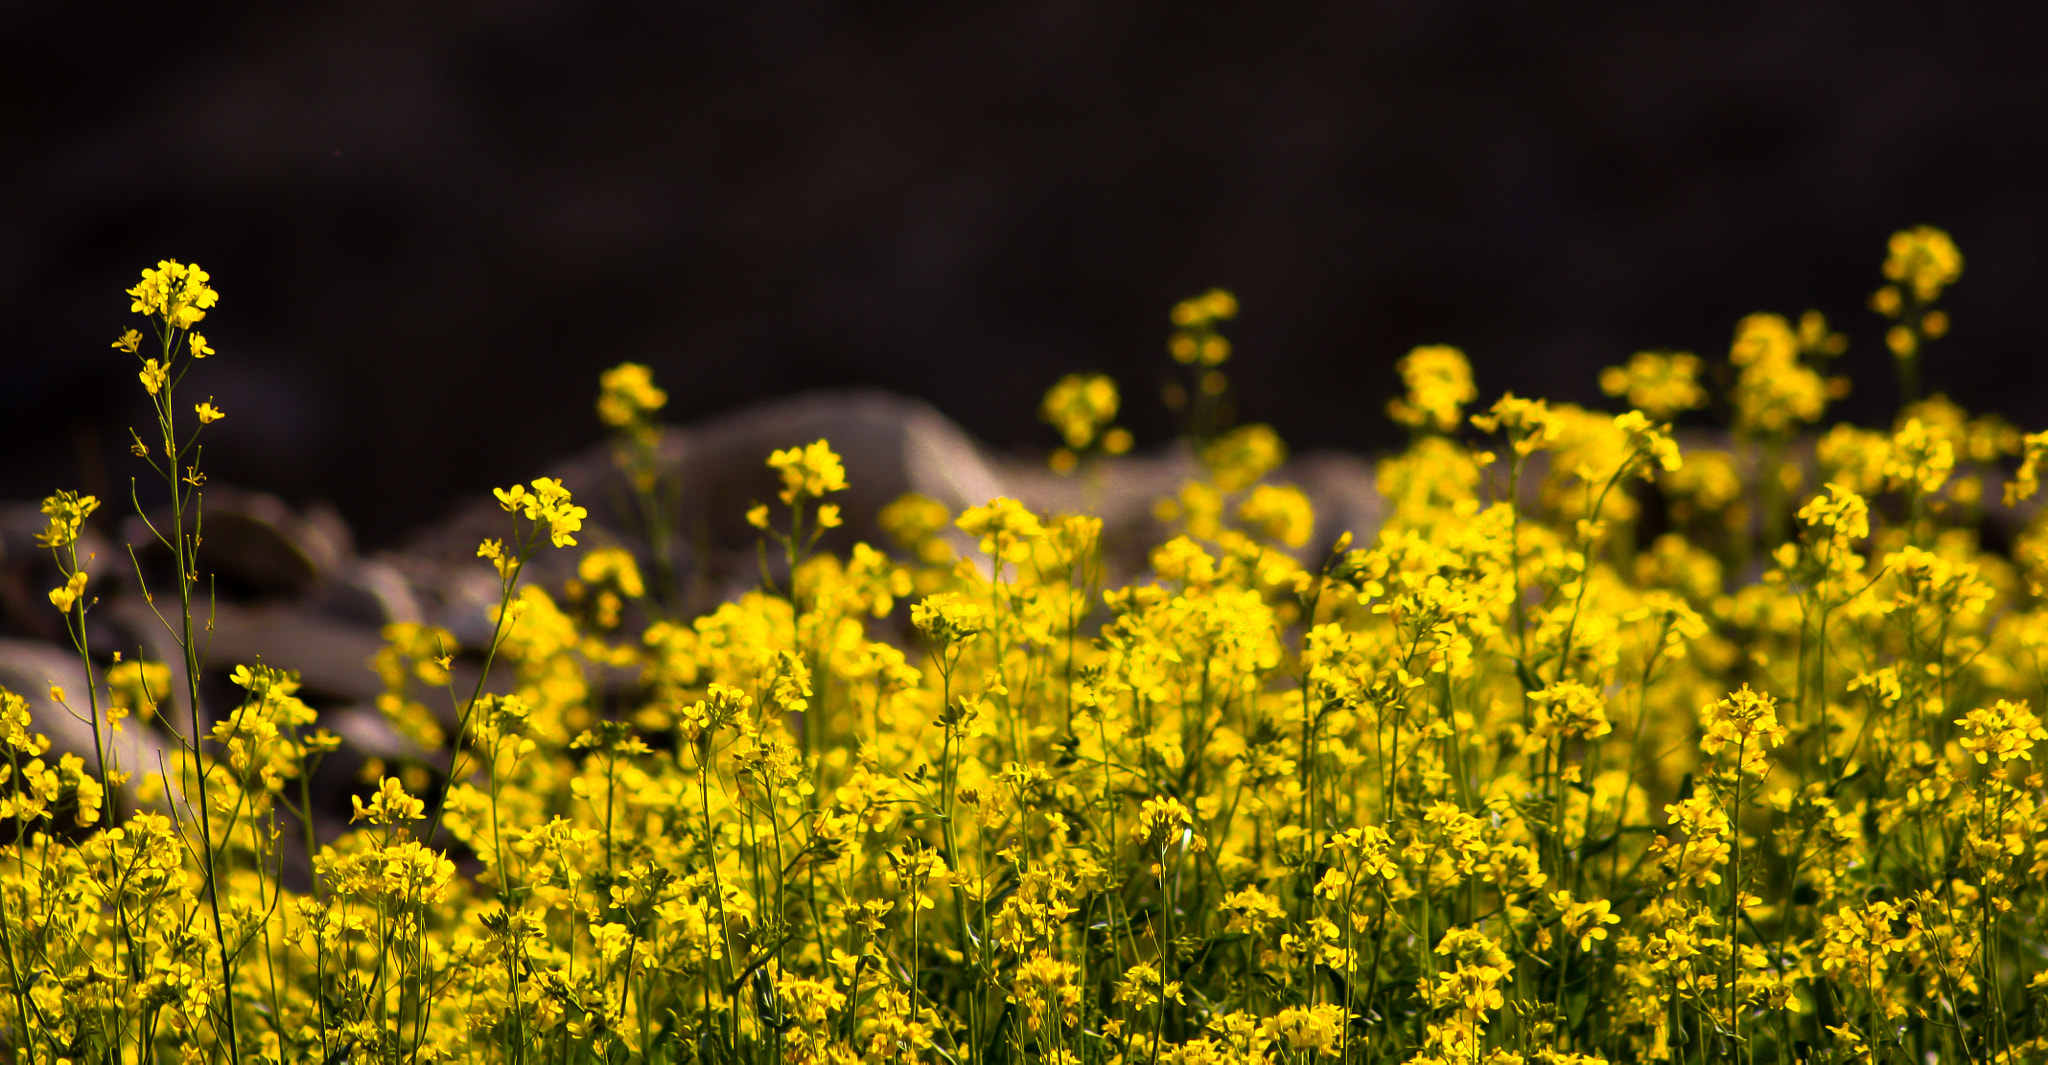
point(176, 292)
point(1439, 384)
point(1081, 407)
point(1660, 384)
point(548, 504)
point(1507, 780)
point(1920, 263)
point(627, 397)
point(1198, 344)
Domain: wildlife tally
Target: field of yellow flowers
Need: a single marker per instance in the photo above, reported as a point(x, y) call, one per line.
point(1600, 750)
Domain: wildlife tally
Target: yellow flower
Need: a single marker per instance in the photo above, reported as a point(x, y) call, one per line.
point(495, 551)
point(1181, 559)
point(549, 503)
point(153, 376)
point(128, 341)
point(1815, 338)
point(1141, 987)
point(1925, 260)
point(1749, 720)
point(391, 805)
point(63, 597)
point(1921, 457)
point(1902, 341)
point(2028, 480)
point(1660, 384)
point(67, 512)
point(1252, 911)
point(1775, 391)
point(1317, 1028)
point(17, 726)
point(1480, 966)
point(208, 413)
point(1439, 381)
point(1214, 305)
point(1584, 920)
point(1242, 456)
point(1530, 424)
point(1648, 441)
point(196, 343)
point(947, 618)
point(1196, 342)
point(1924, 578)
point(1704, 848)
point(138, 686)
point(2006, 730)
point(175, 291)
point(1161, 821)
point(722, 707)
point(627, 395)
point(1281, 512)
point(616, 566)
point(1079, 406)
point(1047, 987)
point(1843, 513)
point(1571, 709)
point(1006, 528)
point(808, 472)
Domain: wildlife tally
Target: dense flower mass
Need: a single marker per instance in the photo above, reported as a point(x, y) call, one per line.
point(175, 292)
point(1562, 764)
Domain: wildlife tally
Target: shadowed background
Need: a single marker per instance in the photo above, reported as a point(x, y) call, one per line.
point(433, 224)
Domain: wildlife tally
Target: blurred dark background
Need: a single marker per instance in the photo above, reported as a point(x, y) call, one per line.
point(433, 224)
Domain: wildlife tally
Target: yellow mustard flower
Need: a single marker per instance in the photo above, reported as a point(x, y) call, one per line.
point(1925, 260)
point(1439, 381)
point(63, 596)
point(1006, 528)
point(1660, 384)
point(1747, 720)
point(67, 512)
point(1195, 340)
point(615, 566)
point(1775, 390)
point(627, 395)
point(550, 504)
point(2005, 730)
point(153, 376)
point(1079, 406)
point(1280, 512)
point(390, 806)
point(808, 472)
point(1240, 457)
point(2027, 480)
point(175, 291)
